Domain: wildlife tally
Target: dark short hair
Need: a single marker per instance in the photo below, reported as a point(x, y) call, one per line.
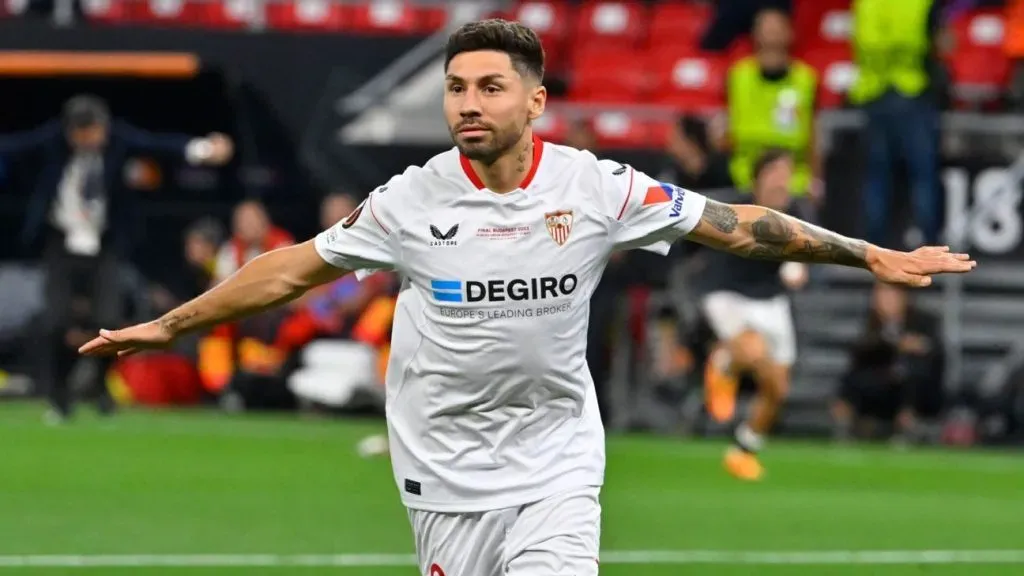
point(769, 157)
point(207, 228)
point(84, 111)
point(520, 43)
point(695, 129)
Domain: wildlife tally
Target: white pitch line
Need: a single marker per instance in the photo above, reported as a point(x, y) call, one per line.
point(637, 557)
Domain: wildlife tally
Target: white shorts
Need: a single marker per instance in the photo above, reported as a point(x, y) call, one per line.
point(557, 536)
point(730, 313)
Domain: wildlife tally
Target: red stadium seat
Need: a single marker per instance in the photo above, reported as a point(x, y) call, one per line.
point(822, 22)
point(551, 127)
point(615, 76)
point(979, 66)
point(611, 24)
point(230, 14)
point(690, 80)
point(550, 20)
point(167, 12)
point(836, 73)
point(660, 131)
point(105, 11)
point(324, 15)
point(619, 130)
point(384, 17)
point(740, 48)
point(432, 18)
point(675, 23)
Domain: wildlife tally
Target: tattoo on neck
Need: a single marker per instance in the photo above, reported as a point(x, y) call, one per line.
point(522, 158)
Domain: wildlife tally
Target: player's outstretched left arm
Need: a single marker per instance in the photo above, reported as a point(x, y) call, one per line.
point(762, 233)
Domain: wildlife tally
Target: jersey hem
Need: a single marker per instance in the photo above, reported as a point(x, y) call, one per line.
point(491, 504)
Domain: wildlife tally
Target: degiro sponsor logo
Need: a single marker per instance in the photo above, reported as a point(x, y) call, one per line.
point(515, 290)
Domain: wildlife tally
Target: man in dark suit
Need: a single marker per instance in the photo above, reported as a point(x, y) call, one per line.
point(88, 220)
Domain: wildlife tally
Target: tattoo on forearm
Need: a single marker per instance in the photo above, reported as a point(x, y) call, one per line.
point(175, 321)
point(775, 236)
point(721, 216)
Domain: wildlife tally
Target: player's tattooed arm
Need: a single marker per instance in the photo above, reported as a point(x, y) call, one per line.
point(762, 233)
point(269, 280)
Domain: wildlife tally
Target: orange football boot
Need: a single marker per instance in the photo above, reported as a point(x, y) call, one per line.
point(743, 465)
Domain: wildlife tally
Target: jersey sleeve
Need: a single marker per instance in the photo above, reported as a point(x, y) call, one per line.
point(363, 242)
point(650, 214)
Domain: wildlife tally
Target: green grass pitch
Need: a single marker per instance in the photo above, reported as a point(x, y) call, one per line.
point(204, 494)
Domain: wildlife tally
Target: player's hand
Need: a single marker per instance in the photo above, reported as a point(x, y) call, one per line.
point(221, 149)
point(916, 268)
point(148, 336)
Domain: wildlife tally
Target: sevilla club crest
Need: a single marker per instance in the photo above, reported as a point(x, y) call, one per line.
point(435, 570)
point(559, 225)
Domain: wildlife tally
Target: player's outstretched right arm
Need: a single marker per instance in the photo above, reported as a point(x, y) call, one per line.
point(762, 233)
point(269, 280)
point(362, 241)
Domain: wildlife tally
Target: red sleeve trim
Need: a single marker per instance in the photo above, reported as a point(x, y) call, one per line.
point(628, 194)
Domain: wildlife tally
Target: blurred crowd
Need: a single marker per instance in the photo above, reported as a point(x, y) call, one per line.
point(327, 350)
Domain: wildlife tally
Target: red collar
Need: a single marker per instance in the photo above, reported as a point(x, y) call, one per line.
point(538, 150)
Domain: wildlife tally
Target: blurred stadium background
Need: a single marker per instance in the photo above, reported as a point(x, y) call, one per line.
point(244, 450)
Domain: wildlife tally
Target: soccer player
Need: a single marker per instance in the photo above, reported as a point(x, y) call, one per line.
point(496, 442)
point(747, 306)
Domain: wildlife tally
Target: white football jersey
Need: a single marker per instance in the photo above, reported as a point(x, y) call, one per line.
point(490, 402)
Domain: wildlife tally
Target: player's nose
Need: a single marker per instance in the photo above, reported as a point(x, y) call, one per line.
point(470, 104)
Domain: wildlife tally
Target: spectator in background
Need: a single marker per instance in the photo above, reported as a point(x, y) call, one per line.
point(695, 154)
point(771, 99)
point(733, 18)
point(252, 234)
point(894, 50)
point(202, 240)
point(896, 369)
point(88, 219)
point(581, 135)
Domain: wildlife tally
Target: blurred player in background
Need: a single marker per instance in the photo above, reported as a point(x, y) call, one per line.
point(496, 441)
point(87, 218)
point(748, 309)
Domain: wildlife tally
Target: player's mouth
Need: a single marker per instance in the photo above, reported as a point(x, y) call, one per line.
point(473, 131)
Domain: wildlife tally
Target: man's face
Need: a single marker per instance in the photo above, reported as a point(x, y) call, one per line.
point(198, 251)
point(251, 223)
point(772, 38)
point(772, 187)
point(488, 104)
point(88, 138)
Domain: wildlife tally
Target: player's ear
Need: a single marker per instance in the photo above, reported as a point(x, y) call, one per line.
point(538, 100)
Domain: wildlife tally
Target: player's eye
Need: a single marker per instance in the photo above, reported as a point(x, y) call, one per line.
point(492, 89)
point(455, 89)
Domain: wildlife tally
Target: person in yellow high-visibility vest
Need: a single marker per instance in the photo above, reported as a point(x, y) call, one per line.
point(771, 106)
point(893, 44)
